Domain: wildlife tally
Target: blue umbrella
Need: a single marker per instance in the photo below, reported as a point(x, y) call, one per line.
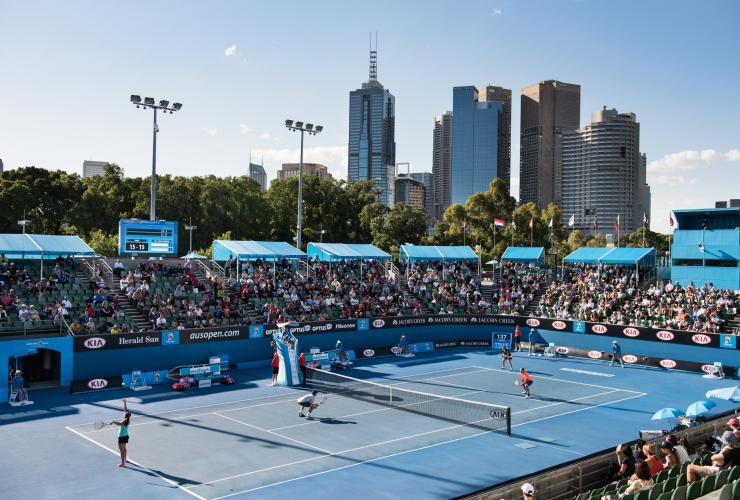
point(699, 407)
point(667, 413)
point(727, 393)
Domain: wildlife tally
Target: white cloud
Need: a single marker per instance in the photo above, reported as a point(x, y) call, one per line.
point(230, 51)
point(211, 131)
point(265, 136)
point(690, 160)
point(244, 128)
point(334, 157)
point(672, 180)
point(496, 12)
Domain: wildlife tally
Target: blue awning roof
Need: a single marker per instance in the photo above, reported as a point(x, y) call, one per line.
point(339, 251)
point(624, 256)
point(524, 254)
point(251, 250)
point(417, 252)
point(629, 256)
point(35, 246)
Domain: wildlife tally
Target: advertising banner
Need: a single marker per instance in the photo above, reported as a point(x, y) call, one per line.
point(96, 384)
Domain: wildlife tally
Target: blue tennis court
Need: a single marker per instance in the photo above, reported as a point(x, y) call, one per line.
point(250, 442)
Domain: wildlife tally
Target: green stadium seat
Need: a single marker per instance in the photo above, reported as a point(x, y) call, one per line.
point(681, 480)
point(679, 493)
point(670, 483)
point(734, 474)
point(725, 493)
point(661, 476)
point(694, 490)
point(655, 491)
point(708, 485)
point(721, 478)
point(674, 472)
point(642, 495)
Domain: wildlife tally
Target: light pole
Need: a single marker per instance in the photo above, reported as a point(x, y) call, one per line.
point(165, 107)
point(190, 227)
point(312, 130)
point(23, 223)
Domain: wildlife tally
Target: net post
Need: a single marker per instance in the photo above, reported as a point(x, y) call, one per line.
point(508, 421)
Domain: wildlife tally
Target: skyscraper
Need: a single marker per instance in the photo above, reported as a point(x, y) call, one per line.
point(309, 169)
point(258, 174)
point(604, 173)
point(409, 191)
point(548, 109)
point(503, 160)
point(475, 143)
point(372, 144)
point(441, 164)
point(427, 179)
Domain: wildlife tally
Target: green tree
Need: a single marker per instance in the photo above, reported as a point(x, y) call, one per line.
point(402, 224)
point(102, 243)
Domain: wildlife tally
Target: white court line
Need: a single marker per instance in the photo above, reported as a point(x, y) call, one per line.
point(393, 454)
point(138, 464)
point(565, 402)
point(190, 408)
point(562, 380)
point(274, 433)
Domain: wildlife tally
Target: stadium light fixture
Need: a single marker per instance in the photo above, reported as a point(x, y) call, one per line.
point(300, 127)
point(163, 106)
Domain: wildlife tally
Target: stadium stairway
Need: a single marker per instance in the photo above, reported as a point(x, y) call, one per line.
point(531, 308)
point(112, 283)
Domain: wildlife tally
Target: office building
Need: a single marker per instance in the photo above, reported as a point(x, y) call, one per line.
point(603, 173)
point(372, 144)
point(547, 109)
point(475, 137)
point(409, 191)
point(289, 170)
point(441, 164)
point(503, 160)
point(92, 168)
point(427, 179)
point(257, 173)
point(706, 247)
point(1, 166)
point(731, 203)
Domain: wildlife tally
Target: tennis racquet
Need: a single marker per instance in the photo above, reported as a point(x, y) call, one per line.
point(321, 401)
point(99, 425)
point(517, 382)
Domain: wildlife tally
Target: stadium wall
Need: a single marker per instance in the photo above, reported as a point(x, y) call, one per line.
point(115, 355)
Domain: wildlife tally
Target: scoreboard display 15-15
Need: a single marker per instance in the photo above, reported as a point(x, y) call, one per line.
point(147, 237)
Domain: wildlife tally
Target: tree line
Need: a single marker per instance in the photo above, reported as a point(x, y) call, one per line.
point(56, 202)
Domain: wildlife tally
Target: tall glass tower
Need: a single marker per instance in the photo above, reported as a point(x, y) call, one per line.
point(372, 143)
point(475, 143)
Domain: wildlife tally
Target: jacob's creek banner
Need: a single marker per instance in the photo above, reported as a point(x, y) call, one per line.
point(174, 337)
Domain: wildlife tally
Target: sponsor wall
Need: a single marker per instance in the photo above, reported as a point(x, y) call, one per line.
point(101, 355)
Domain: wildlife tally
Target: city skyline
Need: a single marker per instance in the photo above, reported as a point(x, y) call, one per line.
point(232, 82)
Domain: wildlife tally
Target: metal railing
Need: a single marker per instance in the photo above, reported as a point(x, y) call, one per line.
point(576, 477)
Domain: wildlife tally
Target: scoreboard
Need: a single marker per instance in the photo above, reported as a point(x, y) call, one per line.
point(147, 237)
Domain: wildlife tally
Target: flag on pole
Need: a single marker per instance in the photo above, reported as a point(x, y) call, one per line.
point(670, 219)
point(513, 224)
point(531, 223)
point(616, 224)
point(596, 226)
point(644, 219)
point(572, 220)
point(499, 222)
point(550, 224)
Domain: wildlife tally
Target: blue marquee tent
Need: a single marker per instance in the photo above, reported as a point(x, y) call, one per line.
point(42, 246)
point(253, 250)
point(412, 253)
point(622, 256)
point(329, 252)
point(524, 254)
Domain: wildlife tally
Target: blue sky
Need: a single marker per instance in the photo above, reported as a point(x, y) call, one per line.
point(241, 68)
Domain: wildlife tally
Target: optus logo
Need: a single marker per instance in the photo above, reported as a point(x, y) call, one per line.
point(700, 338)
point(559, 325)
point(94, 342)
point(668, 363)
point(631, 332)
point(98, 383)
point(594, 354)
point(629, 358)
point(665, 335)
point(598, 328)
point(533, 322)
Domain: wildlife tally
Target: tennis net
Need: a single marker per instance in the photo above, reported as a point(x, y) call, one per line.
point(460, 411)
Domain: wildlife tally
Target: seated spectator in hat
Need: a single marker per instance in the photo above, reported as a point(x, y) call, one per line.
point(728, 456)
point(671, 458)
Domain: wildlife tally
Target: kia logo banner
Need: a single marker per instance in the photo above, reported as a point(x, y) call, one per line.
point(631, 332)
point(667, 363)
point(594, 354)
point(562, 350)
point(629, 358)
point(368, 353)
point(598, 328)
point(533, 322)
point(94, 343)
point(96, 384)
point(665, 335)
point(702, 339)
point(559, 325)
